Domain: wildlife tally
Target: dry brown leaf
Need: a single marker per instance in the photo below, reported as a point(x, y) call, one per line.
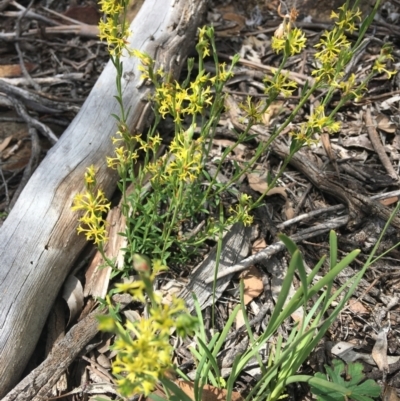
point(253, 287)
point(14, 70)
point(326, 143)
point(253, 284)
point(273, 110)
point(239, 22)
point(390, 394)
point(18, 152)
point(379, 352)
point(289, 211)
point(384, 123)
point(223, 142)
point(239, 320)
point(238, 150)
point(5, 143)
point(259, 184)
point(357, 307)
point(86, 14)
point(73, 295)
point(258, 245)
point(210, 393)
point(389, 201)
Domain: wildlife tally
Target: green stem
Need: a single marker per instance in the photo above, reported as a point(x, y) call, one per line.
point(170, 224)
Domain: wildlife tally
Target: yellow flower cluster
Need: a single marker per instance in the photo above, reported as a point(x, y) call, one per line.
point(123, 157)
point(143, 348)
point(94, 204)
point(279, 84)
point(385, 56)
point(291, 43)
point(223, 74)
point(331, 45)
point(203, 44)
point(185, 160)
point(177, 101)
point(111, 30)
point(346, 19)
point(317, 122)
point(334, 49)
point(126, 154)
point(253, 111)
point(147, 64)
point(350, 87)
point(141, 360)
point(240, 212)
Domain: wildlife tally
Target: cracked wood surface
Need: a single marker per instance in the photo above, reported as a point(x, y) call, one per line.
point(235, 247)
point(38, 384)
point(38, 241)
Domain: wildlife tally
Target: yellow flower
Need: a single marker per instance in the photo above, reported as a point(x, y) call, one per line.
point(141, 361)
point(252, 111)
point(331, 44)
point(279, 83)
point(111, 6)
point(90, 176)
point(346, 19)
point(94, 206)
point(294, 41)
point(318, 121)
point(93, 231)
point(137, 289)
point(303, 136)
point(385, 56)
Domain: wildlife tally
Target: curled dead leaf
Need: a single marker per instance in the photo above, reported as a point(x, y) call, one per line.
point(379, 352)
point(384, 124)
point(253, 284)
point(73, 295)
point(210, 393)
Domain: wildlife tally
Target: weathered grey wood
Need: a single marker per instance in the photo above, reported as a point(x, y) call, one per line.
point(235, 247)
point(38, 241)
point(38, 384)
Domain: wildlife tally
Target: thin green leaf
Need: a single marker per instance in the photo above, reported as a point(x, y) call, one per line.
point(156, 397)
point(173, 388)
point(225, 331)
point(199, 315)
point(274, 322)
point(289, 244)
point(211, 360)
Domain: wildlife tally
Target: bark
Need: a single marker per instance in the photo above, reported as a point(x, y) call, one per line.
point(38, 241)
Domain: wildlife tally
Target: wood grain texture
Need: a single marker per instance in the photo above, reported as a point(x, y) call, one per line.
point(38, 384)
point(235, 247)
point(38, 241)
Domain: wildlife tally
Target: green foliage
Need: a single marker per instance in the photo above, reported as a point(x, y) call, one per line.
point(177, 184)
point(286, 357)
point(163, 193)
point(349, 376)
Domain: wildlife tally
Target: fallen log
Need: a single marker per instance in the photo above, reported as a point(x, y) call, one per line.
point(38, 241)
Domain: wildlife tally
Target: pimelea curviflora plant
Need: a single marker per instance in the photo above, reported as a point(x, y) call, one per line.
point(177, 187)
point(144, 352)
